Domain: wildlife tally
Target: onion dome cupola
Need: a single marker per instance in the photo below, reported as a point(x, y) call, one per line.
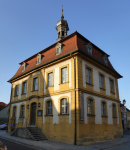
point(62, 28)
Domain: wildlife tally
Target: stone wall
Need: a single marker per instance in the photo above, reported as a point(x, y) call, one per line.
point(22, 132)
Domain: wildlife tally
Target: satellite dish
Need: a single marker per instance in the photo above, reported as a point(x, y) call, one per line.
point(124, 101)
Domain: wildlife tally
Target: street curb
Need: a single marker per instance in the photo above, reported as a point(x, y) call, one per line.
point(29, 145)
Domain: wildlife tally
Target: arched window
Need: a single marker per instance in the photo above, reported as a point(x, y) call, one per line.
point(64, 106)
point(14, 112)
point(49, 107)
point(22, 111)
point(103, 108)
point(114, 110)
point(90, 106)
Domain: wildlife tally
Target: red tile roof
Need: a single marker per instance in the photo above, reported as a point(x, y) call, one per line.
point(74, 41)
point(2, 104)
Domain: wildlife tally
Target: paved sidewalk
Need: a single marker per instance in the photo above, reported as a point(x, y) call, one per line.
point(48, 144)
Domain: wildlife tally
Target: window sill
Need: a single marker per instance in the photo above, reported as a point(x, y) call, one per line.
point(89, 84)
point(104, 116)
point(48, 115)
point(112, 92)
point(16, 96)
point(49, 86)
point(114, 117)
point(91, 115)
point(39, 115)
point(62, 114)
point(64, 83)
point(23, 93)
point(21, 117)
point(34, 90)
point(102, 89)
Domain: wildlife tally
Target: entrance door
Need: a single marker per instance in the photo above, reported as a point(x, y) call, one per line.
point(33, 113)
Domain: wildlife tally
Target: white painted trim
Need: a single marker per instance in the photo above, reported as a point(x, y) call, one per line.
point(18, 109)
point(55, 107)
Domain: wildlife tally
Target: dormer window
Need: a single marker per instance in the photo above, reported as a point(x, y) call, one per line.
point(89, 48)
point(38, 58)
point(59, 48)
point(23, 66)
point(105, 59)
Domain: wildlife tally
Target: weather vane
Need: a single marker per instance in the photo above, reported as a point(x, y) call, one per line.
point(62, 17)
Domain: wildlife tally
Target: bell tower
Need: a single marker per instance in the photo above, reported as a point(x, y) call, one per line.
point(62, 28)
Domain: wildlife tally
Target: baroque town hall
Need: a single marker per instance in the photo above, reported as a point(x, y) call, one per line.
point(67, 92)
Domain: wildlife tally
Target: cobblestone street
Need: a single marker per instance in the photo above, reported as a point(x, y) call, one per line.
point(119, 144)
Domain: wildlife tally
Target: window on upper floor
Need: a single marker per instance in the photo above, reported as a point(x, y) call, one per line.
point(63, 106)
point(64, 75)
point(89, 48)
point(49, 107)
point(103, 108)
point(101, 81)
point(14, 112)
point(111, 86)
point(24, 87)
point(16, 90)
point(90, 106)
point(22, 111)
point(35, 84)
point(50, 79)
point(88, 75)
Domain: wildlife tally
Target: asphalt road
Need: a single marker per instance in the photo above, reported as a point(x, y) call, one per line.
point(17, 146)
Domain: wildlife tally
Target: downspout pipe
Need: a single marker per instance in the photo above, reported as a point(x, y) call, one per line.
point(74, 98)
point(9, 109)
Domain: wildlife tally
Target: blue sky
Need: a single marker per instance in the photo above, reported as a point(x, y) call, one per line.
point(28, 26)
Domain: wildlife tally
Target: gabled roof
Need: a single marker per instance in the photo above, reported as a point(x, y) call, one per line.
point(2, 104)
point(75, 42)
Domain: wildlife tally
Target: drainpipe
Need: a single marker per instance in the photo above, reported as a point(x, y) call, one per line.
point(9, 108)
point(74, 98)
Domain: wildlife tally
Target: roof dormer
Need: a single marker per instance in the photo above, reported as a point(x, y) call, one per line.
point(59, 48)
point(24, 66)
point(105, 59)
point(39, 59)
point(89, 48)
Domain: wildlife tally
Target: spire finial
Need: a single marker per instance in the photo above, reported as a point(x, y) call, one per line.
point(62, 17)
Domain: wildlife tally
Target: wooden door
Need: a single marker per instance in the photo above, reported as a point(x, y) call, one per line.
point(33, 113)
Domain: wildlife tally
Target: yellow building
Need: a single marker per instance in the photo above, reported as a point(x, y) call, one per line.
point(69, 90)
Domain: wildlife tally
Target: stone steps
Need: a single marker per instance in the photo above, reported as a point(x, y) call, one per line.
point(36, 133)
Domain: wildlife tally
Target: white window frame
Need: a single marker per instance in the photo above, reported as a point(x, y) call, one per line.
point(49, 108)
point(63, 106)
point(103, 109)
point(64, 75)
point(101, 81)
point(50, 79)
point(35, 84)
point(88, 75)
point(23, 66)
point(90, 106)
